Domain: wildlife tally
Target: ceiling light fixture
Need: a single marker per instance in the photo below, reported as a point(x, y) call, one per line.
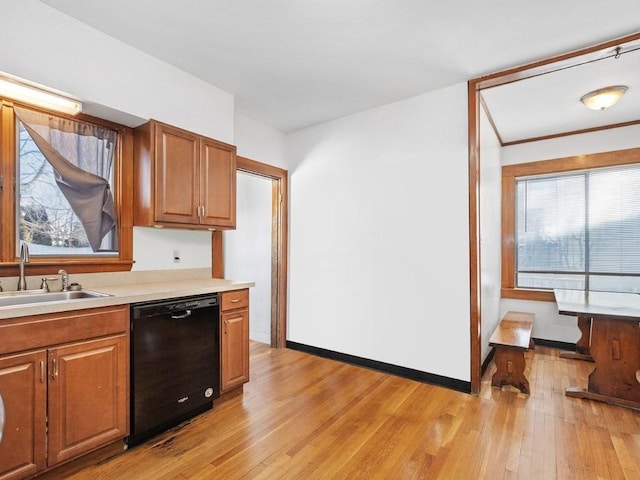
point(603, 97)
point(14, 89)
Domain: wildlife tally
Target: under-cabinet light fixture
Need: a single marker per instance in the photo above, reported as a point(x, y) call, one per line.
point(604, 97)
point(14, 89)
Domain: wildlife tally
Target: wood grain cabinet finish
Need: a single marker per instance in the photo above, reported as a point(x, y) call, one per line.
point(23, 387)
point(67, 394)
point(234, 343)
point(183, 180)
point(87, 396)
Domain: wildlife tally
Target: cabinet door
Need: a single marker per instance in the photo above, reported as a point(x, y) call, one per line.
point(87, 396)
point(218, 183)
point(235, 349)
point(176, 175)
point(23, 388)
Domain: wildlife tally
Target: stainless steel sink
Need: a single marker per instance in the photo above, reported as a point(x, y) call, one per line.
point(27, 297)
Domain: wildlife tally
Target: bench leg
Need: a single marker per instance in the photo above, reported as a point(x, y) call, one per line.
point(510, 366)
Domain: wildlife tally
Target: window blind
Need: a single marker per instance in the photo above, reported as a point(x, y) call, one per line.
point(579, 230)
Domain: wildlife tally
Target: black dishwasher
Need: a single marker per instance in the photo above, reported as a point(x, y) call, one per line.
point(175, 362)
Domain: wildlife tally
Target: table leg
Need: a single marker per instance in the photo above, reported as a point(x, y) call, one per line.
point(583, 346)
point(615, 346)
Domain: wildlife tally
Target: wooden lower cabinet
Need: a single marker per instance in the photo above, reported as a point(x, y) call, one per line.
point(23, 446)
point(66, 399)
point(234, 343)
point(87, 397)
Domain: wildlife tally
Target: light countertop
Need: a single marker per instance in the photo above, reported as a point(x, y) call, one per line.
point(129, 293)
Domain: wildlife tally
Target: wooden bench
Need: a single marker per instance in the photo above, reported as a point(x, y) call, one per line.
point(510, 340)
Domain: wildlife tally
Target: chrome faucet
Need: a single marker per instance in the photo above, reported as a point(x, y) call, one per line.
point(24, 258)
point(64, 276)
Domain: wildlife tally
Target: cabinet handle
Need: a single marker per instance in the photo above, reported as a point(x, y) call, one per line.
point(54, 368)
point(2, 418)
point(42, 374)
point(235, 300)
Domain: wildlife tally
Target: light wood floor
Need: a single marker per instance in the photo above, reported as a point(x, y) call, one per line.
point(305, 417)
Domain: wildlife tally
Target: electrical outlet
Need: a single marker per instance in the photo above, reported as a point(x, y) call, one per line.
point(176, 256)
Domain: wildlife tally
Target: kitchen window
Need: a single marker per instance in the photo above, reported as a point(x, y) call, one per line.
point(66, 202)
point(572, 223)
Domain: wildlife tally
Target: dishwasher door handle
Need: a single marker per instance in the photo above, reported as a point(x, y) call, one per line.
point(186, 314)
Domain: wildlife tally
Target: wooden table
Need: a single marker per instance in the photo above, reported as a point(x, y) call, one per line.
point(614, 345)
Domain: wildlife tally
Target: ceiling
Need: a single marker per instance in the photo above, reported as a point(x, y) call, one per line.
point(550, 104)
point(295, 63)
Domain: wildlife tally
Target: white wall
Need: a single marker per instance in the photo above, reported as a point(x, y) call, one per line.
point(154, 248)
point(596, 142)
point(260, 142)
point(549, 325)
point(379, 234)
point(490, 232)
point(118, 82)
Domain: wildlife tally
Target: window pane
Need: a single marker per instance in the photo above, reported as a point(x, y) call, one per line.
point(614, 220)
point(550, 280)
point(611, 283)
point(46, 221)
point(550, 227)
point(579, 230)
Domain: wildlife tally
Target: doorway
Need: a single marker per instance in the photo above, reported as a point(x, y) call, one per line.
point(252, 248)
point(475, 88)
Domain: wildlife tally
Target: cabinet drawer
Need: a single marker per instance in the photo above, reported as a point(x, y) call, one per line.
point(234, 300)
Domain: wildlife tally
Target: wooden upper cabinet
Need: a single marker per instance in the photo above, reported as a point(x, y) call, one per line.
point(218, 183)
point(177, 176)
point(182, 179)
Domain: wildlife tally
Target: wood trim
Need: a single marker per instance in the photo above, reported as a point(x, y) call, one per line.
point(522, 294)
point(556, 165)
point(508, 226)
point(559, 62)
point(279, 244)
point(217, 257)
point(123, 199)
point(568, 134)
point(8, 173)
point(486, 111)
point(475, 86)
point(577, 162)
point(474, 236)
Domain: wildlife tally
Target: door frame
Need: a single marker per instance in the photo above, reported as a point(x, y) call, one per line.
point(475, 86)
point(279, 244)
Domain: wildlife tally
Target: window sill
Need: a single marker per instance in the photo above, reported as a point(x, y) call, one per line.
point(528, 294)
point(51, 266)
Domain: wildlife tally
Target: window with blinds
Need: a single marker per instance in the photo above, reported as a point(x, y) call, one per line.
point(579, 230)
